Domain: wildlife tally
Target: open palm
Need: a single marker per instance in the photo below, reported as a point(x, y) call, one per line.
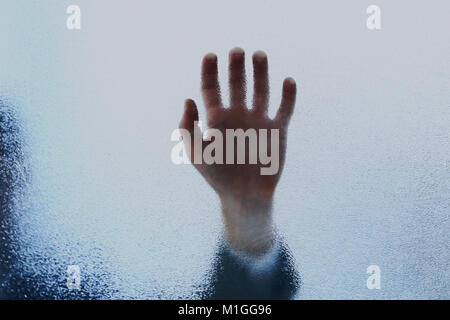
point(240, 180)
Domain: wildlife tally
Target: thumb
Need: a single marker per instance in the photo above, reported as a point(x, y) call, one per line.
point(190, 116)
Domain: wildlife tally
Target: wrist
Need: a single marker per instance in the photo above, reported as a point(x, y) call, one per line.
point(248, 224)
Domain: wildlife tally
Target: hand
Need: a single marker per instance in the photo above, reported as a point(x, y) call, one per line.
point(245, 194)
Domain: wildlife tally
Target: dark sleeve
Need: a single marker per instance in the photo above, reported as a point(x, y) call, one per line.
point(234, 278)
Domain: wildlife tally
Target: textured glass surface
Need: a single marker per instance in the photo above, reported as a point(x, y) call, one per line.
point(367, 176)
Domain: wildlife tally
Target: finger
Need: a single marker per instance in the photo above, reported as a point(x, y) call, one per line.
point(188, 122)
point(237, 78)
point(287, 102)
point(210, 82)
point(189, 116)
point(261, 82)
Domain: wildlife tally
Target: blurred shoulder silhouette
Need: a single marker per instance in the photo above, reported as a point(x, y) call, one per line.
point(13, 177)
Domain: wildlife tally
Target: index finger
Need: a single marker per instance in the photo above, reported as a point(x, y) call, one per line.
point(210, 82)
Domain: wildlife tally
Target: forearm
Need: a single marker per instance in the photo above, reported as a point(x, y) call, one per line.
point(248, 224)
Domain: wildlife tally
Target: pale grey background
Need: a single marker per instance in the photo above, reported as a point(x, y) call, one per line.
point(367, 178)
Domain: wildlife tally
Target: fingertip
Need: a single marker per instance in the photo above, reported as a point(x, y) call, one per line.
point(190, 110)
point(259, 56)
point(209, 65)
point(287, 101)
point(237, 57)
point(289, 85)
point(189, 103)
point(210, 58)
point(289, 81)
point(236, 52)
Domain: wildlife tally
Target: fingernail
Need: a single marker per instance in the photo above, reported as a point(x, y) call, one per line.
point(259, 56)
point(290, 80)
point(236, 52)
point(210, 57)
